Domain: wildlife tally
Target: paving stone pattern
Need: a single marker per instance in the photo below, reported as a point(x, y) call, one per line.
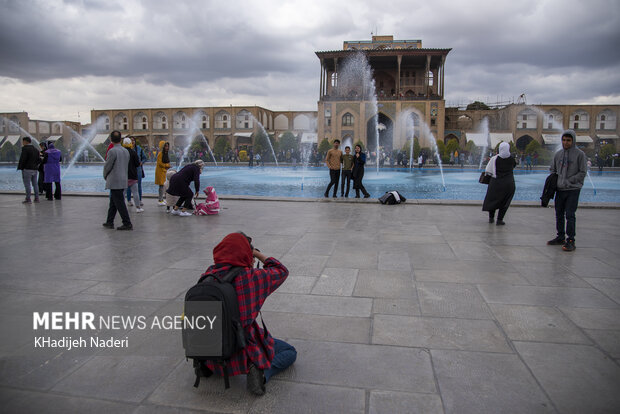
point(393, 309)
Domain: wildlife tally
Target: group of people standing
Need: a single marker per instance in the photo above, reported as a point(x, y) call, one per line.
point(40, 169)
point(568, 171)
point(352, 170)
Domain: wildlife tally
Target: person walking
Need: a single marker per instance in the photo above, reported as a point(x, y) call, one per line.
point(347, 168)
point(29, 165)
point(140, 172)
point(179, 186)
point(501, 188)
point(359, 159)
point(132, 174)
point(52, 159)
point(570, 165)
point(163, 163)
point(40, 181)
point(332, 159)
point(115, 175)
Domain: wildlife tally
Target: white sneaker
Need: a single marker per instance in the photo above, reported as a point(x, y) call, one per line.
point(175, 212)
point(130, 203)
point(161, 203)
point(167, 211)
point(139, 210)
point(185, 214)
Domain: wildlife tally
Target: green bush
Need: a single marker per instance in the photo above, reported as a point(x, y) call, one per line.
point(288, 142)
point(324, 146)
point(451, 146)
point(607, 150)
point(532, 147)
point(222, 146)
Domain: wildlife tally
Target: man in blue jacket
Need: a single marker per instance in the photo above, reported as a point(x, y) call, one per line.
point(570, 164)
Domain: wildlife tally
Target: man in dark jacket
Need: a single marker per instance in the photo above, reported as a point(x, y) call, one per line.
point(29, 164)
point(570, 164)
point(115, 175)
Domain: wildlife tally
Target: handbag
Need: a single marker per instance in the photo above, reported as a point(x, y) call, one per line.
point(484, 178)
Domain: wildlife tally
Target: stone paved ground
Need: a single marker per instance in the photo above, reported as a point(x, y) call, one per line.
point(393, 309)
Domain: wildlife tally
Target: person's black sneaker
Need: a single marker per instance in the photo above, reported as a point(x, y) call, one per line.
point(125, 227)
point(256, 380)
point(556, 242)
point(500, 222)
point(108, 225)
point(325, 195)
point(569, 246)
point(366, 195)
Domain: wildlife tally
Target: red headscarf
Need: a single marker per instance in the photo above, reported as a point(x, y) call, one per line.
point(234, 250)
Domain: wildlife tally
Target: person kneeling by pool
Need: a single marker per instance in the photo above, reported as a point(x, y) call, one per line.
point(263, 355)
point(179, 186)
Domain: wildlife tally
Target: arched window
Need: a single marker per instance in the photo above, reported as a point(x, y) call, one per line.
point(581, 120)
point(180, 120)
point(103, 123)
point(244, 120)
point(553, 120)
point(140, 121)
point(526, 119)
point(120, 122)
point(160, 121)
point(222, 120)
point(606, 120)
point(347, 119)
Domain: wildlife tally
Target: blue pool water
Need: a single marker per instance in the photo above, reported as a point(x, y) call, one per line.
point(461, 184)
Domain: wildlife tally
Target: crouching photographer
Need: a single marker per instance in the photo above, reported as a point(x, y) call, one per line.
point(263, 356)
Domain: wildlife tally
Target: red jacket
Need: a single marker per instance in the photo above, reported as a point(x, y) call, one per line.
point(253, 286)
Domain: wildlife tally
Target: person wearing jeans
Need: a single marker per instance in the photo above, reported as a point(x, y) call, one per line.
point(264, 356)
point(570, 164)
point(29, 165)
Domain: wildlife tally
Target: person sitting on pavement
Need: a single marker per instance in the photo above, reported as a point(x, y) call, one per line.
point(263, 356)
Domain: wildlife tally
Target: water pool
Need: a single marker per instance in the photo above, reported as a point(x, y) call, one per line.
point(461, 184)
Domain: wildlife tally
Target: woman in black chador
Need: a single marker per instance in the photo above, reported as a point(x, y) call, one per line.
point(502, 185)
point(359, 159)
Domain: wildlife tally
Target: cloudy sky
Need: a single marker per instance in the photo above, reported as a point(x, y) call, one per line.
point(61, 58)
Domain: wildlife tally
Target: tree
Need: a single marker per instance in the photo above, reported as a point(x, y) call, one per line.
point(451, 146)
point(416, 147)
point(471, 147)
point(477, 106)
point(532, 147)
point(324, 146)
point(288, 142)
point(101, 148)
point(261, 145)
point(222, 146)
point(607, 150)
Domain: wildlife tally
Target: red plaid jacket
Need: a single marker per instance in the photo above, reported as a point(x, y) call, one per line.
point(252, 286)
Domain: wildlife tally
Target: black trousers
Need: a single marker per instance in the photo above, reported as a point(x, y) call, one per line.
point(117, 203)
point(346, 178)
point(565, 207)
point(186, 202)
point(48, 191)
point(334, 176)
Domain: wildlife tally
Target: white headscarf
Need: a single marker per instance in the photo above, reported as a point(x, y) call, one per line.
point(504, 150)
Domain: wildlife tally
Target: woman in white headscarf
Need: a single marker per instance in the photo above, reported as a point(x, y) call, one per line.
point(502, 185)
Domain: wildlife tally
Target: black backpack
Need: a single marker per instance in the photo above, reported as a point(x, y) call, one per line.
point(392, 197)
point(211, 291)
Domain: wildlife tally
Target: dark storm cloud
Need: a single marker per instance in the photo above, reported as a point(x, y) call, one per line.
point(179, 47)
